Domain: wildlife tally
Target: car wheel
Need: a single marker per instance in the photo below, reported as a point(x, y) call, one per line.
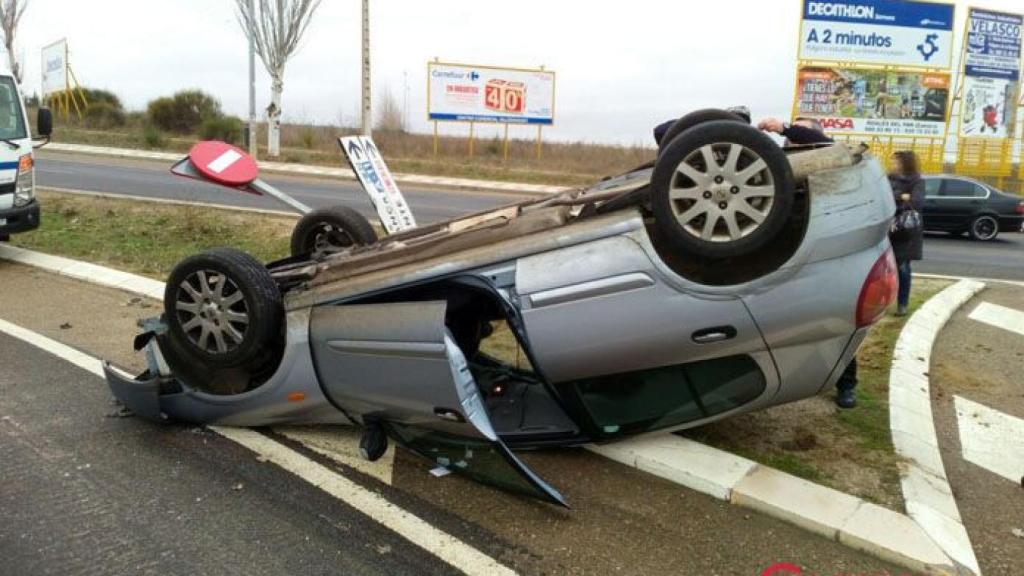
point(223, 308)
point(722, 190)
point(331, 229)
point(693, 119)
point(984, 228)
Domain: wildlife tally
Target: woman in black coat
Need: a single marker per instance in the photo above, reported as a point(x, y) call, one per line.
point(907, 245)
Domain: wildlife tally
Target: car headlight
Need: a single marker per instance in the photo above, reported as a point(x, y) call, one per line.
point(24, 191)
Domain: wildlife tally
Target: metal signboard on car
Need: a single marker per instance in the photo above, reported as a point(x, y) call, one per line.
point(55, 67)
point(991, 73)
point(376, 179)
point(489, 94)
point(888, 32)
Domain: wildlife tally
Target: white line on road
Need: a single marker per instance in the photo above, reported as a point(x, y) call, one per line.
point(407, 525)
point(991, 439)
point(999, 316)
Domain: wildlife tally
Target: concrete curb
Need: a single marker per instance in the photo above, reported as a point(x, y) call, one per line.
point(926, 491)
point(322, 171)
point(878, 531)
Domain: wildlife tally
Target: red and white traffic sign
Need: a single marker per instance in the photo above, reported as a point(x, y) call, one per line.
point(223, 163)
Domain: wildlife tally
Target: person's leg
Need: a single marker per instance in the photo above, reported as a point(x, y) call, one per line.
point(903, 296)
point(845, 385)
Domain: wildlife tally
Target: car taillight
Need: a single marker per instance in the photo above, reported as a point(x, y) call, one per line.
point(1020, 208)
point(878, 291)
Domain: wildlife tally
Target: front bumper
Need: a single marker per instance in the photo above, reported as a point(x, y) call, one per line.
point(21, 219)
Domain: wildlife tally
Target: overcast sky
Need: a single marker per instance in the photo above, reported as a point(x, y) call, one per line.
point(621, 67)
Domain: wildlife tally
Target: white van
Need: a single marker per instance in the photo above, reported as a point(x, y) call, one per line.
point(19, 210)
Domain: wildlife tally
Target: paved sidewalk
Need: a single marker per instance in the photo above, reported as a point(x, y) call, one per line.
point(325, 171)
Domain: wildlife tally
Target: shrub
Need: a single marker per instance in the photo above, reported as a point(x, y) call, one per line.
point(152, 137)
point(96, 96)
point(103, 115)
point(183, 112)
point(226, 128)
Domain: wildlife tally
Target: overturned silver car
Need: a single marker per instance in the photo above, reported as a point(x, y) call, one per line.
point(726, 276)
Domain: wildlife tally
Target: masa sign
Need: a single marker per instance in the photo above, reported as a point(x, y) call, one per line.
point(890, 32)
point(55, 67)
point(873, 101)
point(991, 73)
point(487, 94)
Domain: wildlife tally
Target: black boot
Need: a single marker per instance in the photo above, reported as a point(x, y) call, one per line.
point(846, 399)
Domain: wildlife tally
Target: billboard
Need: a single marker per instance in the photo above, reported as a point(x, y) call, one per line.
point(55, 67)
point(874, 101)
point(488, 94)
point(991, 73)
point(888, 32)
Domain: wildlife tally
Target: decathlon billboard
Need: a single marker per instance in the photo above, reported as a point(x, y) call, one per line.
point(490, 94)
point(55, 67)
point(889, 32)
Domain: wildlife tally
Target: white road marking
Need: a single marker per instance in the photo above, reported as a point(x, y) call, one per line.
point(407, 525)
point(342, 445)
point(999, 316)
point(224, 161)
point(991, 439)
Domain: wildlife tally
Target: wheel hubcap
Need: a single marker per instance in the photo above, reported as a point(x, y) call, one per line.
point(722, 192)
point(212, 311)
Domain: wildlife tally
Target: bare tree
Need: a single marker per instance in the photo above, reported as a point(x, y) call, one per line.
point(276, 27)
point(10, 15)
point(389, 113)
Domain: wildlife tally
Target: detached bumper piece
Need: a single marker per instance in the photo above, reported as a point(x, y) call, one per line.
point(20, 219)
point(142, 394)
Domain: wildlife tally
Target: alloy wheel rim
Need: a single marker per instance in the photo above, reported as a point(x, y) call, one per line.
point(985, 227)
point(212, 311)
point(722, 192)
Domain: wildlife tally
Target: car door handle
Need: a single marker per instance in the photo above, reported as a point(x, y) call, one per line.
point(714, 334)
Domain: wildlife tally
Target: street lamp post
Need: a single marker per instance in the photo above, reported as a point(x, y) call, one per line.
point(366, 107)
point(252, 87)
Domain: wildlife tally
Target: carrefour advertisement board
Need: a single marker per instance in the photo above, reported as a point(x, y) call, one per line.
point(991, 74)
point(55, 67)
point(488, 94)
point(874, 101)
point(890, 32)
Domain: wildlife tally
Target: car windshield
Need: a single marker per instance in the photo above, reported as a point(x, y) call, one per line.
point(12, 123)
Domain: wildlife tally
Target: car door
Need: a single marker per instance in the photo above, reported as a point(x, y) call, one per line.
point(630, 349)
point(961, 200)
point(932, 213)
point(397, 364)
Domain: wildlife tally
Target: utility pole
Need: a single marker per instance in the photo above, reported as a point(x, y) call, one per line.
point(367, 108)
point(252, 87)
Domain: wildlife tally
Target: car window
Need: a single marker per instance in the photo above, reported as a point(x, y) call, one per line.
point(962, 189)
point(669, 395)
point(931, 187)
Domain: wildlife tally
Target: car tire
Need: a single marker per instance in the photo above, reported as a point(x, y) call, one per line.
point(693, 119)
point(748, 192)
point(331, 229)
point(984, 228)
point(223, 308)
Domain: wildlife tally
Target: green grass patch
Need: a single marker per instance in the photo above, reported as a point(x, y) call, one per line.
point(147, 238)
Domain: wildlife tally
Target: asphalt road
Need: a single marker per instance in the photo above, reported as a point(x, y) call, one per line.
point(1002, 259)
point(88, 494)
point(153, 179)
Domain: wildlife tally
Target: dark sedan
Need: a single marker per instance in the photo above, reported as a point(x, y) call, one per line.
point(956, 205)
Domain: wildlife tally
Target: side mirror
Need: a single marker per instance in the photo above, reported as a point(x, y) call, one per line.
point(44, 123)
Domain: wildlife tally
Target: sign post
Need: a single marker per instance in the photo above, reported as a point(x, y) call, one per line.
point(878, 70)
point(473, 94)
